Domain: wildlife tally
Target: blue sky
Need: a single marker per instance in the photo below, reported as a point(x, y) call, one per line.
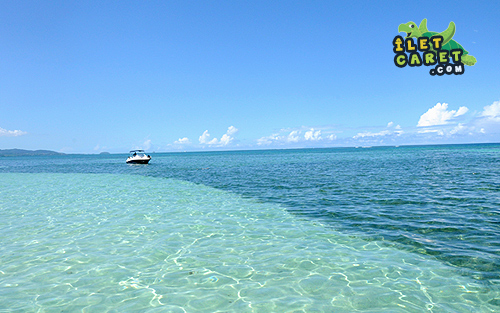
point(92, 76)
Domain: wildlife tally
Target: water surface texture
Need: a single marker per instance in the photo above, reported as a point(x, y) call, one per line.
point(395, 229)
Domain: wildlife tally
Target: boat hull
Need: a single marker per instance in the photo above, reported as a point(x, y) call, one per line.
point(138, 161)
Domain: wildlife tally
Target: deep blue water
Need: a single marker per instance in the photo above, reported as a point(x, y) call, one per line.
point(441, 203)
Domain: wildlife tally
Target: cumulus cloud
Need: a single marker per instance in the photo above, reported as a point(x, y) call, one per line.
point(397, 128)
point(461, 111)
point(11, 133)
point(313, 135)
point(391, 130)
point(391, 124)
point(225, 140)
point(204, 138)
point(305, 136)
point(441, 121)
point(492, 112)
point(268, 140)
point(439, 124)
point(459, 129)
point(293, 136)
point(439, 115)
point(231, 130)
point(183, 141)
point(262, 141)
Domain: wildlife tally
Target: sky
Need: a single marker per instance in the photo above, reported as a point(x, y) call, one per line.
point(95, 76)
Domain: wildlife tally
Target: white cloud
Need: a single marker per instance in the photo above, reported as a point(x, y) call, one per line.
point(263, 141)
point(213, 141)
point(460, 128)
point(425, 131)
point(293, 136)
point(231, 130)
point(391, 124)
point(268, 140)
point(382, 133)
point(461, 111)
point(313, 135)
point(443, 123)
point(439, 115)
point(183, 141)
point(370, 134)
point(303, 136)
point(332, 137)
point(286, 137)
point(204, 137)
point(492, 112)
point(440, 124)
point(225, 140)
point(11, 133)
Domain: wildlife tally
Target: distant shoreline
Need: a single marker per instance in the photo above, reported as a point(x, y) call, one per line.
point(22, 152)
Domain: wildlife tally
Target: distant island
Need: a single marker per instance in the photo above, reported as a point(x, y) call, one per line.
point(21, 152)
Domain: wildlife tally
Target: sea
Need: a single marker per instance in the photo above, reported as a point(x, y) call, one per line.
point(375, 229)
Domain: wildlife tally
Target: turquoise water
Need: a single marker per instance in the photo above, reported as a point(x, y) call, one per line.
point(408, 229)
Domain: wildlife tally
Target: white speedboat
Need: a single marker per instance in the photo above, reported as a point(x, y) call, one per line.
point(138, 157)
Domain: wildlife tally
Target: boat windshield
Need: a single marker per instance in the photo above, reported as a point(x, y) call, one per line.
point(140, 153)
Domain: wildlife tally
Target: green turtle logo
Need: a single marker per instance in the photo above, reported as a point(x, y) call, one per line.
point(412, 31)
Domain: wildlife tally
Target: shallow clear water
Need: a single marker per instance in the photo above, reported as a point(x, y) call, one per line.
point(406, 229)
